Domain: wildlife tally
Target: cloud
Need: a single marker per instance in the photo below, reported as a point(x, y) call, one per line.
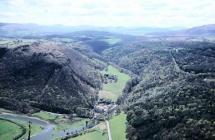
point(162, 13)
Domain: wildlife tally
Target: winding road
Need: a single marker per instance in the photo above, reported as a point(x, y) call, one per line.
point(48, 129)
point(45, 134)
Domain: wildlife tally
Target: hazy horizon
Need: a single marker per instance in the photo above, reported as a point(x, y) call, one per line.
point(109, 13)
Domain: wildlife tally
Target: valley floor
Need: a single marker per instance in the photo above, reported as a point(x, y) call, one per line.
point(112, 90)
point(58, 126)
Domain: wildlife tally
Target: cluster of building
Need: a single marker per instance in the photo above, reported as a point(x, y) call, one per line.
point(103, 110)
point(108, 78)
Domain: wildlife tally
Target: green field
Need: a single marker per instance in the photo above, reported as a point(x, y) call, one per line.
point(9, 130)
point(118, 127)
point(35, 129)
point(112, 40)
point(114, 89)
point(95, 135)
point(65, 123)
point(46, 115)
point(61, 121)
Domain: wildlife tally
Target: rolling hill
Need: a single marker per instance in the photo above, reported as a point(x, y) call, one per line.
point(201, 31)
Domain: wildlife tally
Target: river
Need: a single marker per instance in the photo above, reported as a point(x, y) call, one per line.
point(45, 134)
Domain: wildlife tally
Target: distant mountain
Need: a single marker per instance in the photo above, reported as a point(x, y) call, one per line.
point(26, 30)
point(32, 30)
point(208, 30)
point(205, 30)
point(142, 30)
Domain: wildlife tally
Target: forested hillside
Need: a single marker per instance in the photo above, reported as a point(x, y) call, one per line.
point(169, 96)
point(48, 76)
point(172, 97)
point(107, 69)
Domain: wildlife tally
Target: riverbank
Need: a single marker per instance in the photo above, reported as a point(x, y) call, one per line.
point(49, 126)
point(10, 130)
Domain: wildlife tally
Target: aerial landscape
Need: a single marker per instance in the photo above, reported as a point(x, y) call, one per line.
point(107, 70)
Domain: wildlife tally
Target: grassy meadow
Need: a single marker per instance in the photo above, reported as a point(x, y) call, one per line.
point(61, 121)
point(9, 130)
point(95, 135)
point(112, 40)
point(98, 133)
point(114, 90)
point(118, 127)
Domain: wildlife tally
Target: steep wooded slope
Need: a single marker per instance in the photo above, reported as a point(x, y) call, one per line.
point(172, 97)
point(47, 76)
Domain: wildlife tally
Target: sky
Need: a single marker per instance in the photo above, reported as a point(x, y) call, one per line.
point(127, 13)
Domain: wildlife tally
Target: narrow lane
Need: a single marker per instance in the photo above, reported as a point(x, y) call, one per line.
point(108, 128)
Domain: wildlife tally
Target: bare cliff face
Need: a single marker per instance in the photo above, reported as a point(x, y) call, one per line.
point(46, 76)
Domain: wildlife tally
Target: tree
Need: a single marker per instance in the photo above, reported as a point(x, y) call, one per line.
point(29, 131)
